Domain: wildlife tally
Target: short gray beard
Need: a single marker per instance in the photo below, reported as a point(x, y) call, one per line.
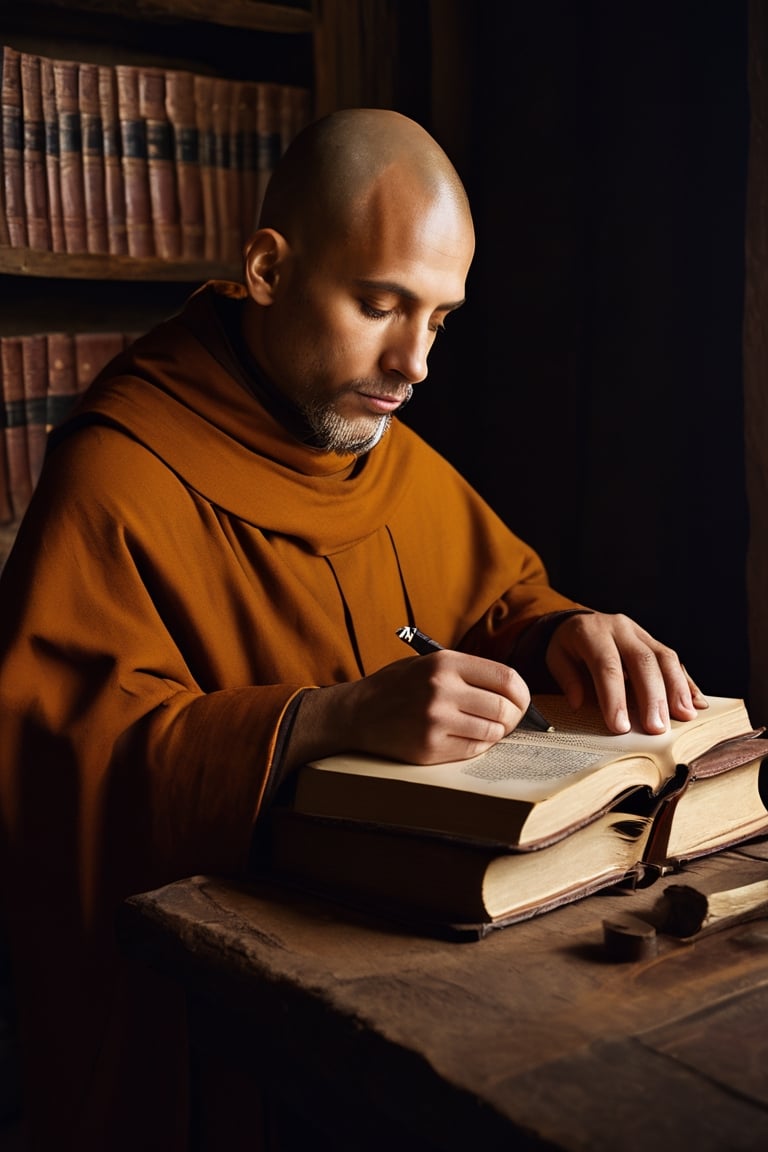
point(334, 433)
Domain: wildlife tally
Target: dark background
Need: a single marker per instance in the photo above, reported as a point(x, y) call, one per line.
point(591, 388)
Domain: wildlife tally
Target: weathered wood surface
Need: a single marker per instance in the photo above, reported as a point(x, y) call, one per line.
point(529, 1038)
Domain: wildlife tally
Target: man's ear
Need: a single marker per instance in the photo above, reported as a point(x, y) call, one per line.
point(266, 254)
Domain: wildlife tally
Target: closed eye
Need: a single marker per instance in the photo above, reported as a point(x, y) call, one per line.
point(382, 313)
point(373, 313)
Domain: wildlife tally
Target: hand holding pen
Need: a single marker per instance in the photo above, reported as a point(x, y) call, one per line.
point(422, 644)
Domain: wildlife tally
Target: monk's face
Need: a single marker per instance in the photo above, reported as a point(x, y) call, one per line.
point(354, 314)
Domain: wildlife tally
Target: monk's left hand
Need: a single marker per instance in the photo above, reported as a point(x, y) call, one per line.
point(613, 653)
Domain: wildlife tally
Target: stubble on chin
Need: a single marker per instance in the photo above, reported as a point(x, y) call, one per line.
point(333, 432)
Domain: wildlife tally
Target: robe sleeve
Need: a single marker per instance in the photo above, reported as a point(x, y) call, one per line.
point(102, 714)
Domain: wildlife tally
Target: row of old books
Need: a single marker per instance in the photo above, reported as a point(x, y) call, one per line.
point(538, 821)
point(136, 160)
point(41, 376)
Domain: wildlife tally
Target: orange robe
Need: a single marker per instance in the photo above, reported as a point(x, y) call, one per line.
point(185, 569)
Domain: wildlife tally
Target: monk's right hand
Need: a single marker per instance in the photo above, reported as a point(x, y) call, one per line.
point(422, 709)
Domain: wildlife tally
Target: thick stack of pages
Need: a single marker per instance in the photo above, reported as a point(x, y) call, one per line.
point(541, 819)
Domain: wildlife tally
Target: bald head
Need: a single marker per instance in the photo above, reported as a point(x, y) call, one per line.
point(362, 251)
point(334, 169)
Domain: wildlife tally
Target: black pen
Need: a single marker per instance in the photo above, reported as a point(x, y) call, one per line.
point(422, 644)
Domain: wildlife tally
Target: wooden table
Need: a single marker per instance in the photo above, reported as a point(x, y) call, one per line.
point(529, 1038)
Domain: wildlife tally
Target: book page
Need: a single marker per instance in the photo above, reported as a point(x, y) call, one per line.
point(725, 717)
point(532, 766)
point(522, 759)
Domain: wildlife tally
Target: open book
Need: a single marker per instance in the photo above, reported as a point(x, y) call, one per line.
point(529, 789)
point(468, 886)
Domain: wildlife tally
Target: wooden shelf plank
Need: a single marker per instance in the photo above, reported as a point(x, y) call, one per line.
point(89, 266)
point(254, 15)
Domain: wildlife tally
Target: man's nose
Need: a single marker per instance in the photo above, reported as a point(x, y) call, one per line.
point(406, 354)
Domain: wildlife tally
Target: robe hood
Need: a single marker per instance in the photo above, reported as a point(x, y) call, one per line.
point(251, 466)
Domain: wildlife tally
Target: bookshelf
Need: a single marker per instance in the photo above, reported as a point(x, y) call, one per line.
point(233, 40)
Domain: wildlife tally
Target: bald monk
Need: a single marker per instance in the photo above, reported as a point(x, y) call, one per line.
point(206, 589)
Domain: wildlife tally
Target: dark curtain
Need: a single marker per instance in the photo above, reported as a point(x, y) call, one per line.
point(592, 386)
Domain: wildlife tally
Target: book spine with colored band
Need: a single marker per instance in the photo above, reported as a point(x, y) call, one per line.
point(65, 75)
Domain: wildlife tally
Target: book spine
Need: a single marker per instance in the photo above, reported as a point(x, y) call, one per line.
point(226, 210)
point(4, 236)
point(203, 107)
point(133, 143)
point(34, 356)
point(114, 188)
point(35, 189)
point(287, 116)
point(51, 137)
point(6, 508)
point(13, 148)
point(6, 505)
point(65, 78)
point(161, 168)
point(233, 244)
point(303, 109)
point(249, 158)
point(267, 135)
point(93, 159)
point(62, 378)
point(15, 424)
point(94, 350)
point(180, 109)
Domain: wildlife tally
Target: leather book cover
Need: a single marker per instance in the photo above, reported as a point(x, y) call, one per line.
point(4, 237)
point(114, 189)
point(51, 138)
point(287, 116)
point(62, 378)
point(225, 169)
point(249, 157)
point(133, 143)
point(13, 147)
point(94, 350)
point(93, 159)
point(719, 760)
point(238, 114)
point(65, 78)
point(302, 106)
point(160, 164)
point(35, 189)
point(6, 508)
point(203, 114)
point(267, 135)
point(181, 112)
point(34, 367)
point(15, 424)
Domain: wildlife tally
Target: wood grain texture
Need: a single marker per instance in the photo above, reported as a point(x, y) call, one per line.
point(529, 1035)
